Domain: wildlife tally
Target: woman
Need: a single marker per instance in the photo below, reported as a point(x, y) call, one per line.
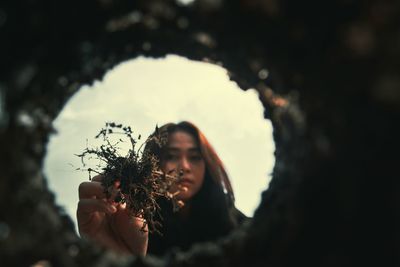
point(208, 214)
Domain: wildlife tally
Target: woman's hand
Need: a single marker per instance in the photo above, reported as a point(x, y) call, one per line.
point(108, 223)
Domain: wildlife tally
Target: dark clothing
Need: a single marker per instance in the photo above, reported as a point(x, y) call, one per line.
point(183, 234)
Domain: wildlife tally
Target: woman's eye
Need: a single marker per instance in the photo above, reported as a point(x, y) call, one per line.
point(171, 157)
point(196, 157)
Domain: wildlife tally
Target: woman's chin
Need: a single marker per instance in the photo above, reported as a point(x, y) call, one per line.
point(184, 196)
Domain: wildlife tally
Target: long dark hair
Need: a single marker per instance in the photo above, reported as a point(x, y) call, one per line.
point(211, 209)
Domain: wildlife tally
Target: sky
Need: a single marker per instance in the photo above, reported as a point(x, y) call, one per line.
point(146, 92)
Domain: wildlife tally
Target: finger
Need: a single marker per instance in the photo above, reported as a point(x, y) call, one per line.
point(130, 231)
point(88, 206)
point(98, 178)
point(89, 190)
point(115, 191)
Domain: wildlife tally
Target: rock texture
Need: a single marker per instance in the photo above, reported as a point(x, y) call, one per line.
point(328, 74)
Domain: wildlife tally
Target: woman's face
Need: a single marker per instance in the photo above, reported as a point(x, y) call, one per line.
point(183, 154)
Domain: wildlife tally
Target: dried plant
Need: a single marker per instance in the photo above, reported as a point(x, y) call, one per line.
point(135, 179)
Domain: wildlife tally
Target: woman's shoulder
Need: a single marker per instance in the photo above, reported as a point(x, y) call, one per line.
point(239, 216)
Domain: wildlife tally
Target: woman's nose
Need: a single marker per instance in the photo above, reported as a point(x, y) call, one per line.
point(184, 164)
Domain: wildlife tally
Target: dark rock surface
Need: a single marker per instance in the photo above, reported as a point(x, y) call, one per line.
point(328, 74)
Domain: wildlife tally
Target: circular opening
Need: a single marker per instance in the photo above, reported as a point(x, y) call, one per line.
point(144, 92)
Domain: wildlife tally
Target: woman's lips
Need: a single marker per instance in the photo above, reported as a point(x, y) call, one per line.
point(185, 182)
